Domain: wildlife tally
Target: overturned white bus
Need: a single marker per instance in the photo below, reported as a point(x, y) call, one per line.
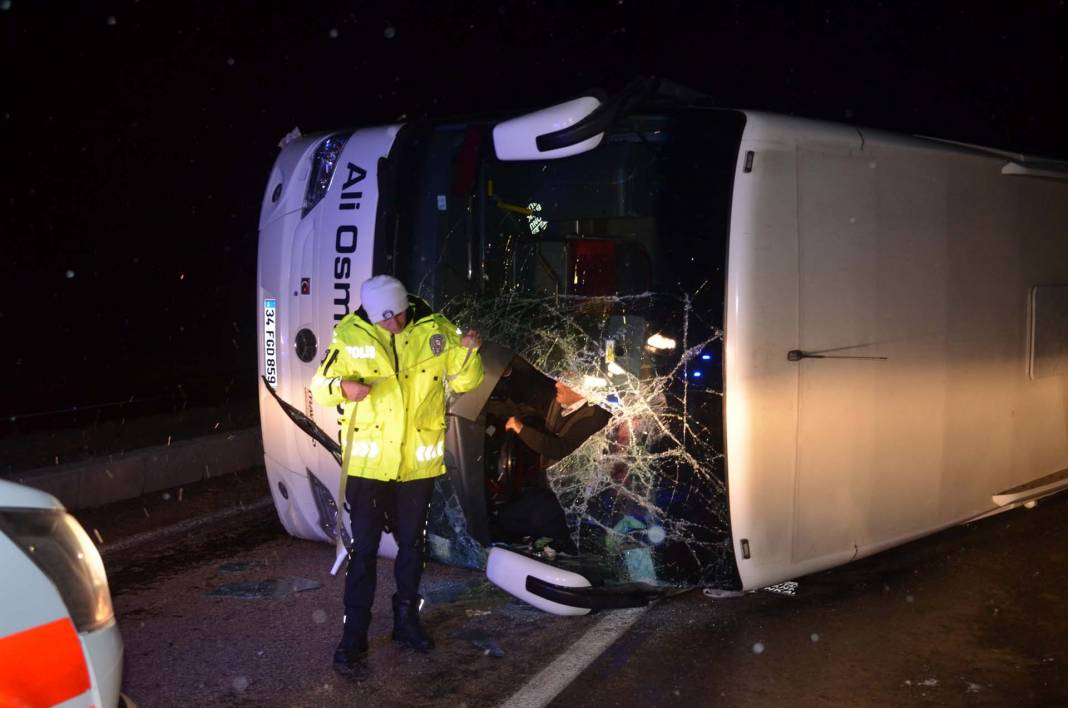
point(815, 341)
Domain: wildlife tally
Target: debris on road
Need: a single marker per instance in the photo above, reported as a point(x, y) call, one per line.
point(788, 588)
point(717, 594)
point(489, 648)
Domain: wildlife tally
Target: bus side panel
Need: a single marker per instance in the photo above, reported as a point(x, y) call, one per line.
point(760, 384)
point(874, 250)
point(928, 260)
point(1039, 416)
point(915, 262)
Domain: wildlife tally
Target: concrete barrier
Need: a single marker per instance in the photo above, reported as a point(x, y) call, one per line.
point(89, 483)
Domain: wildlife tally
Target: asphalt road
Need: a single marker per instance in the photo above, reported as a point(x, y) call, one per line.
point(973, 616)
point(186, 646)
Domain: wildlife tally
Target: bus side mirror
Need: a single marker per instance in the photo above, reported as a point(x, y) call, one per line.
point(517, 138)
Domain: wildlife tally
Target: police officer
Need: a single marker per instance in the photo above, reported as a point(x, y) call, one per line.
point(386, 370)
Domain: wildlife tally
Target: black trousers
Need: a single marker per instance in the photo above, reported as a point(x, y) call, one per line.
point(404, 505)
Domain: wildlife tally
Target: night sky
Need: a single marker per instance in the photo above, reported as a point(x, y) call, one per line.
point(137, 137)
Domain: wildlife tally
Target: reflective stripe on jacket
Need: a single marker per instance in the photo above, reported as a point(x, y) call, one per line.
point(399, 428)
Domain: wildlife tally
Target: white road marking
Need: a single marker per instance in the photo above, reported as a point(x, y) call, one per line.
point(183, 526)
point(557, 676)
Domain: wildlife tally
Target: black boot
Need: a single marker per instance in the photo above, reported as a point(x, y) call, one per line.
point(350, 657)
point(406, 627)
point(350, 660)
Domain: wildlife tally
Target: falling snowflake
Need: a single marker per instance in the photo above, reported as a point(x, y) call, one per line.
point(333, 33)
point(112, 21)
point(69, 274)
point(390, 32)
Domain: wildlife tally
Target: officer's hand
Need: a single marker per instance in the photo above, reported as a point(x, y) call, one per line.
point(471, 340)
point(354, 390)
point(514, 424)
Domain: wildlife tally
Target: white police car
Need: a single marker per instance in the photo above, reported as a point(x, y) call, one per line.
point(59, 643)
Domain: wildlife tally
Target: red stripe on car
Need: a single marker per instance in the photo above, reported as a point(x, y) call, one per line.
point(42, 666)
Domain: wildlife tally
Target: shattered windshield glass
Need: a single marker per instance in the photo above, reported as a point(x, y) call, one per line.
point(605, 270)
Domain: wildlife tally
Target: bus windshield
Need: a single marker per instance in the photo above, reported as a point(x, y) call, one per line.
point(609, 268)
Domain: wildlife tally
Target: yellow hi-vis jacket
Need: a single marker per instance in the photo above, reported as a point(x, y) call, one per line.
point(399, 428)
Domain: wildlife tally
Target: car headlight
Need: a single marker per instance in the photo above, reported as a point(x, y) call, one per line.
point(326, 157)
point(59, 546)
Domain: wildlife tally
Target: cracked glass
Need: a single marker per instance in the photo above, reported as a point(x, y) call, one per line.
point(606, 271)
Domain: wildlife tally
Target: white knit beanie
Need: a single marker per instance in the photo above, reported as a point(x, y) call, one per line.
point(383, 297)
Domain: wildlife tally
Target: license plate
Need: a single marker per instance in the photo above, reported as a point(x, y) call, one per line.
point(270, 342)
